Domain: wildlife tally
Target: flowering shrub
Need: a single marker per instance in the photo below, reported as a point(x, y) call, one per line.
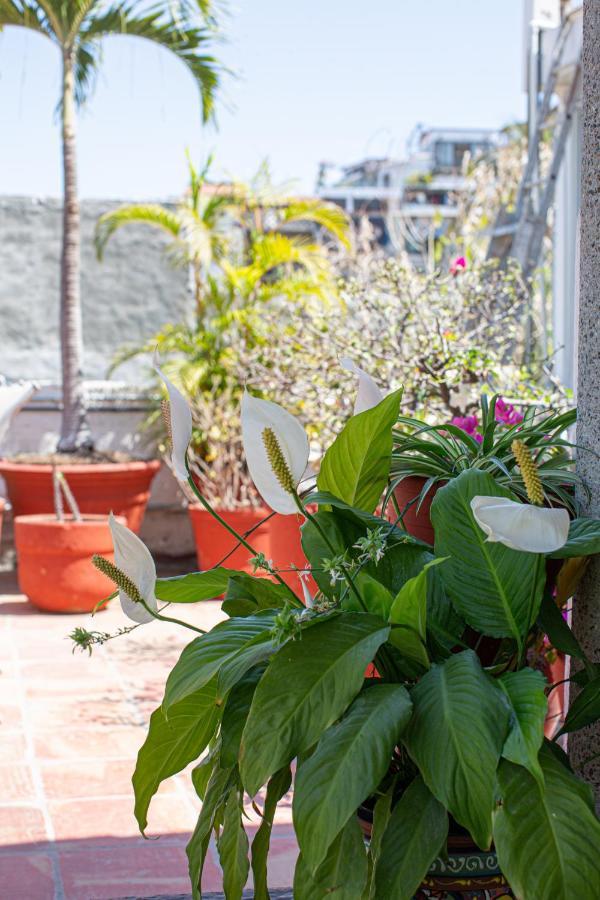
point(447, 727)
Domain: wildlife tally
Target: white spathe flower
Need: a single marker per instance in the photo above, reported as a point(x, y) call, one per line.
point(134, 559)
point(521, 526)
point(369, 394)
point(12, 398)
point(260, 415)
point(181, 425)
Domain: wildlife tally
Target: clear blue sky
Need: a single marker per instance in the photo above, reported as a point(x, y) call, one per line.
point(319, 79)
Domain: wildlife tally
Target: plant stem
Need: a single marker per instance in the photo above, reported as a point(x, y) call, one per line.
point(157, 615)
point(242, 540)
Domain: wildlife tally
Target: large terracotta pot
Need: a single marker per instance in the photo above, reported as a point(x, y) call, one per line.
point(278, 538)
point(416, 523)
point(54, 561)
point(2, 505)
point(99, 488)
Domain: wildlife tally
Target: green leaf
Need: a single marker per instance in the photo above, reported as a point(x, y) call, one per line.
point(455, 736)
point(550, 620)
point(277, 787)
point(585, 708)
point(351, 759)
point(525, 692)
point(220, 785)
point(235, 714)
point(583, 540)
point(364, 520)
point(409, 610)
point(194, 587)
point(173, 743)
point(307, 686)
point(414, 837)
point(232, 845)
point(342, 875)
point(376, 598)
point(207, 654)
point(356, 466)
point(496, 590)
point(247, 594)
point(546, 836)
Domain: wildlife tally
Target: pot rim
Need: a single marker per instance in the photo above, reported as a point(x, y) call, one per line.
point(137, 465)
point(49, 520)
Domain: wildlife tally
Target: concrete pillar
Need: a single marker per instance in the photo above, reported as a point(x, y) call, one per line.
point(586, 607)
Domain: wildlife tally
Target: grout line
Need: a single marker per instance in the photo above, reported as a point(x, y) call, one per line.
point(38, 785)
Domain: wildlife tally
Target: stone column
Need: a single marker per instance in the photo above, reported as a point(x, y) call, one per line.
point(586, 607)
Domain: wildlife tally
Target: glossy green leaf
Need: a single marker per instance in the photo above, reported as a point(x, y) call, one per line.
point(307, 686)
point(455, 736)
point(585, 708)
point(525, 692)
point(235, 713)
point(342, 875)
point(220, 785)
point(207, 654)
point(414, 837)
point(583, 540)
point(375, 597)
point(496, 590)
point(350, 761)
point(550, 620)
point(173, 743)
point(232, 845)
point(277, 787)
point(194, 587)
point(247, 594)
point(356, 466)
point(547, 836)
point(409, 611)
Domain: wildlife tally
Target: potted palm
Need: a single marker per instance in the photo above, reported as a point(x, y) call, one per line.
point(78, 34)
point(250, 250)
point(440, 747)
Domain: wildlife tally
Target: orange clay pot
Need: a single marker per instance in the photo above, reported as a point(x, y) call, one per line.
point(54, 561)
point(2, 505)
point(416, 523)
point(99, 488)
point(278, 538)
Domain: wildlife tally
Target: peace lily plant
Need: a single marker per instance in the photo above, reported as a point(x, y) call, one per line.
point(404, 685)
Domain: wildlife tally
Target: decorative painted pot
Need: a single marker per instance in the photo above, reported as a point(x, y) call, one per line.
point(406, 493)
point(54, 561)
point(468, 872)
point(99, 488)
point(278, 538)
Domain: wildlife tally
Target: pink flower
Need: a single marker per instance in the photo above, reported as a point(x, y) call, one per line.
point(469, 424)
point(458, 265)
point(506, 413)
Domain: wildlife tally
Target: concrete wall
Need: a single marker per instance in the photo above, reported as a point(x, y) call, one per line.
point(126, 298)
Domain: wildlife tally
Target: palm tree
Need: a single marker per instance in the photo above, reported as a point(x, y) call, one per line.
point(77, 28)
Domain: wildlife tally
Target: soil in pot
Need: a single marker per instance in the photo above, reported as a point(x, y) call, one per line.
point(468, 871)
point(278, 538)
point(407, 496)
point(122, 488)
point(54, 561)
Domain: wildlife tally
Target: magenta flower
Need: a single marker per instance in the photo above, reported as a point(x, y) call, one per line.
point(469, 424)
point(458, 265)
point(506, 413)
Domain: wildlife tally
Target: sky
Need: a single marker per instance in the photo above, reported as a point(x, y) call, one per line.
point(332, 80)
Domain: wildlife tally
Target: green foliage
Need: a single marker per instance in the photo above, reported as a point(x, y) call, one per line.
point(525, 691)
point(342, 874)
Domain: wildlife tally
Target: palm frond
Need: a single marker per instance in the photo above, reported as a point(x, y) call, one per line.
point(22, 14)
point(328, 216)
point(150, 213)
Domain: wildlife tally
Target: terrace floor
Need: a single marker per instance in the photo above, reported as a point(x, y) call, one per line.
point(70, 728)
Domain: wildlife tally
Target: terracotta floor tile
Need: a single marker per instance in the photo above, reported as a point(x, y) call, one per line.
point(96, 742)
point(21, 825)
point(102, 778)
point(16, 784)
point(10, 716)
point(26, 876)
point(76, 819)
point(74, 712)
point(129, 868)
point(12, 746)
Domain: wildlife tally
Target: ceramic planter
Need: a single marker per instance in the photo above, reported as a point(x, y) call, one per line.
point(99, 488)
point(278, 538)
point(416, 523)
point(54, 561)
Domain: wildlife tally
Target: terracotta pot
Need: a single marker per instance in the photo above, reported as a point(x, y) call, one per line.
point(54, 561)
point(416, 523)
point(467, 870)
point(99, 488)
point(278, 538)
point(2, 505)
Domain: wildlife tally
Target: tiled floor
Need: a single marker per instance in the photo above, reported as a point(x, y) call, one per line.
point(70, 728)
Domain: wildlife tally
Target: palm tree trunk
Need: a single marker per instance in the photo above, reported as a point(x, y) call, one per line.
point(75, 433)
